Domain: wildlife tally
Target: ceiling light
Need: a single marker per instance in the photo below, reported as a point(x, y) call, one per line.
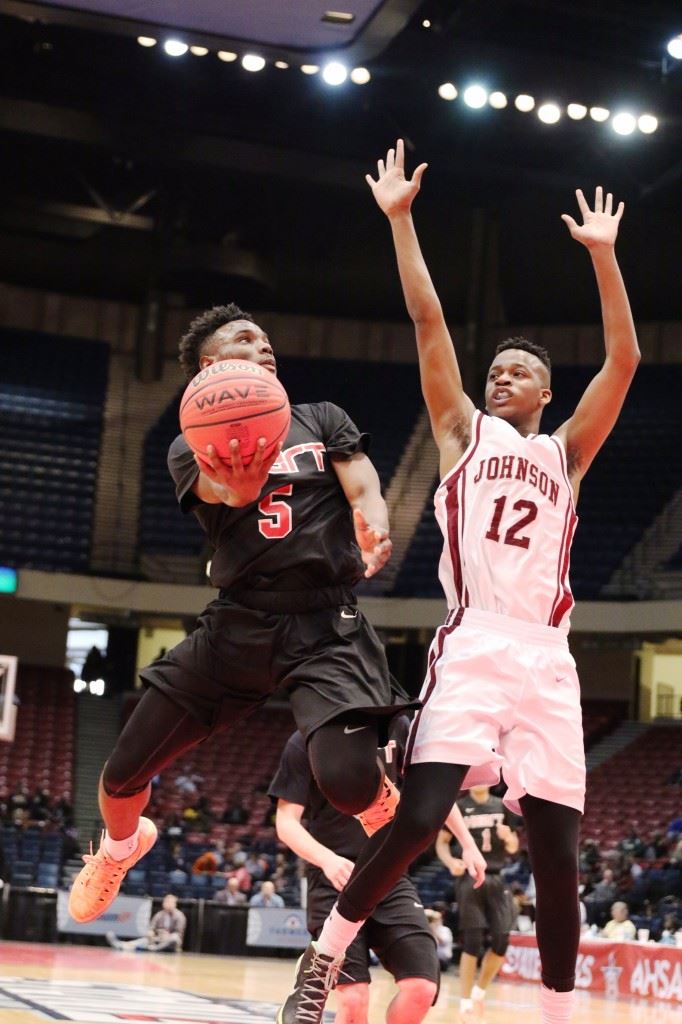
point(498, 100)
point(426, 23)
point(475, 96)
point(549, 113)
point(146, 41)
point(624, 123)
point(335, 73)
point(599, 113)
point(175, 47)
point(253, 62)
point(524, 103)
point(281, 64)
point(647, 123)
point(227, 56)
point(576, 111)
point(338, 17)
point(360, 76)
point(199, 51)
point(310, 69)
point(447, 91)
point(675, 47)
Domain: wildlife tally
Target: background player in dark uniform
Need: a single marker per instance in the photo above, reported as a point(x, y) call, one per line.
point(292, 536)
point(488, 908)
point(398, 930)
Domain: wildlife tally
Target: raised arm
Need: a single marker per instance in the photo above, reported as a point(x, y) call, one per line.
point(450, 409)
point(598, 409)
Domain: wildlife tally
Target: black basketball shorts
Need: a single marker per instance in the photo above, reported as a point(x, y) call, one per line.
point(328, 657)
point(488, 908)
point(397, 931)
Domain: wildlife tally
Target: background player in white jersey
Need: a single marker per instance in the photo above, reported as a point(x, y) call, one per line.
point(501, 691)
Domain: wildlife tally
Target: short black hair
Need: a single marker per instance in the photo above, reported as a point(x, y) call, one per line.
point(526, 346)
point(200, 329)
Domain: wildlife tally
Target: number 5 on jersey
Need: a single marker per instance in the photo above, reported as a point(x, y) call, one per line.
point(276, 522)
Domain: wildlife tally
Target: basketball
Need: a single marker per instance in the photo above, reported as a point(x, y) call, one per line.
point(234, 399)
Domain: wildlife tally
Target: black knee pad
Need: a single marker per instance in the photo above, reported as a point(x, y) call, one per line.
point(349, 794)
point(499, 942)
point(472, 941)
point(121, 780)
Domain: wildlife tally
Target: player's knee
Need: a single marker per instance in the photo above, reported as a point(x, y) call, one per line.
point(348, 792)
point(119, 780)
point(499, 942)
point(421, 993)
point(353, 1003)
point(472, 941)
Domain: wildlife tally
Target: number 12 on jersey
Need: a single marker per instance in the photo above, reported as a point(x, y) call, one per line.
point(276, 522)
point(511, 536)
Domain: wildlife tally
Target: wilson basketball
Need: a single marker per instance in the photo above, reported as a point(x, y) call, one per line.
point(234, 399)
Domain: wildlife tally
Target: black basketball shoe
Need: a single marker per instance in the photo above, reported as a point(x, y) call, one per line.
point(316, 976)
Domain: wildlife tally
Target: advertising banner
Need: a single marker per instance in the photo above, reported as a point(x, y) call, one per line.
point(283, 927)
point(639, 969)
point(128, 917)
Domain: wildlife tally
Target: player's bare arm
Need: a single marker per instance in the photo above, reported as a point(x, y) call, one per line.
point(472, 858)
point(596, 413)
point(232, 483)
point(508, 837)
point(450, 409)
point(360, 482)
point(292, 832)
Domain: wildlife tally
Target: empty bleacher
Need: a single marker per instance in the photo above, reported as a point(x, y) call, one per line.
point(52, 394)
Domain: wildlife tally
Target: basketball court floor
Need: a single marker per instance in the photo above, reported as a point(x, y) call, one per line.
point(92, 985)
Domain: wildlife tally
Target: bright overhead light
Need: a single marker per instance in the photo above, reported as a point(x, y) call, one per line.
point(426, 23)
point(599, 113)
point(549, 113)
point(175, 47)
point(227, 55)
point(335, 73)
point(576, 111)
point(199, 51)
point(281, 64)
point(497, 100)
point(475, 96)
point(360, 76)
point(253, 62)
point(310, 69)
point(675, 47)
point(524, 103)
point(146, 41)
point(624, 123)
point(447, 91)
point(647, 123)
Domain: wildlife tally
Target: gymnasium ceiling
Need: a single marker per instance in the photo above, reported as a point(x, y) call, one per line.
point(125, 169)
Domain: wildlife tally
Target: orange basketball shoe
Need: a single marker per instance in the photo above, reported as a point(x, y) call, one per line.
point(96, 886)
point(382, 810)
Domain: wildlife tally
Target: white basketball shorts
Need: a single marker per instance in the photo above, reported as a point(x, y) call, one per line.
point(502, 696)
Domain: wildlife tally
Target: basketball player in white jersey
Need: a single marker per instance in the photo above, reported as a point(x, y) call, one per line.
point(501, 692)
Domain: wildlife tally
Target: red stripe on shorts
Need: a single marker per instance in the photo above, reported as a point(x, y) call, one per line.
point(450, 625)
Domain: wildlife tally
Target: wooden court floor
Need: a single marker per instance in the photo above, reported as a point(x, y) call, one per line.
point(94, 985)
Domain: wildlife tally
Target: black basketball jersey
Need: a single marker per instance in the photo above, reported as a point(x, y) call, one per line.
point(299, 534)
point(295, 783)
point(482, 821)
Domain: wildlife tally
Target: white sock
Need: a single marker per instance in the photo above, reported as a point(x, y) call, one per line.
point(556, 1007)
point(337, 934)
point(465, 1004)
point(477, 993)
point(119, 849)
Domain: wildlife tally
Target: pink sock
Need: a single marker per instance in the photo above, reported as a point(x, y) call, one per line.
point(119, 849)
point(556, 1007)
point(337, 934)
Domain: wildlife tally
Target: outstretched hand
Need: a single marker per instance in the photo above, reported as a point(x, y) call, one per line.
point(375, 544)
point(392, 190)
point(600, 226)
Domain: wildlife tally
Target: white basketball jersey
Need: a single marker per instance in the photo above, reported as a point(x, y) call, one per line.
point(507, 516)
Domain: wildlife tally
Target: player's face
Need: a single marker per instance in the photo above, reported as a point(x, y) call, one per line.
point(480, 793)
point(517, 386)
point(239, 339)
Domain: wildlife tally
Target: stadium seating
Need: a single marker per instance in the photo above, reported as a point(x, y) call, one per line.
point(382, 398)
point(51, 401)
point(636, 473)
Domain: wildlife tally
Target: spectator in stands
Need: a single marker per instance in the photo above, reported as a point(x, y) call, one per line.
point(443, 936)
point(589, 855)
point(19, 801)
point(604, 890)
point(63, 811)
point(656, 847)
point(188, 781)
point(239, 871)
point(210, 861)
point(620, 928)
point(632, 845)
point(675, 828)
point(266, 897)
point(165, 934)
point(518, 870)
point(676, 855)
point(258, 866)
point(235, 815)
point(231, 895)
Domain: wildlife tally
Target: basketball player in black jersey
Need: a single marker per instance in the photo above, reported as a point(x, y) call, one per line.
point(292, 535)
point(487, 908)
point(330, 842)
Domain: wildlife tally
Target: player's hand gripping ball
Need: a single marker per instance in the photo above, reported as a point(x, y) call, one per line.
point(234, 400)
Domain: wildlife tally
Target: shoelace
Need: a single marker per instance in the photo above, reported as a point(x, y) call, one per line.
point(313, 998)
